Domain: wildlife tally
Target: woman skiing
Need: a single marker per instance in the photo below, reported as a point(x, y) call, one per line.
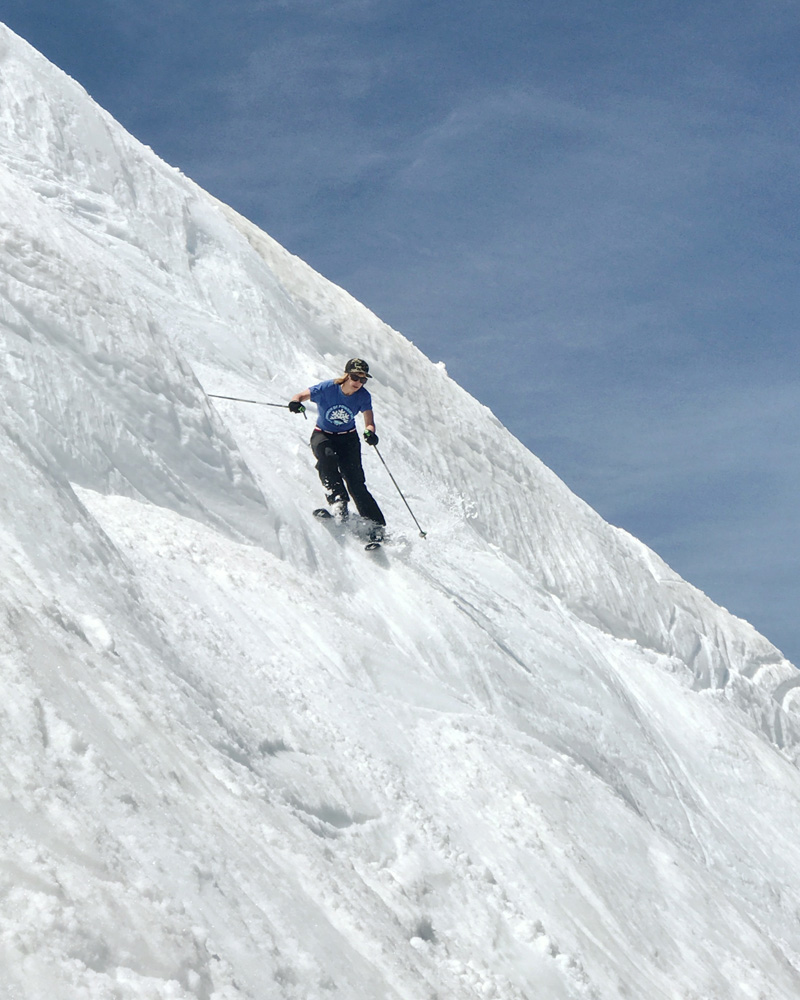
point(335, 443)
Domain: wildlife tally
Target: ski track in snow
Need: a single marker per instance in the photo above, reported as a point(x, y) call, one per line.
point(243, 758)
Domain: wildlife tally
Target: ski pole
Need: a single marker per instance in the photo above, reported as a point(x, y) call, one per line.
point(422, 534)
point(258, 402)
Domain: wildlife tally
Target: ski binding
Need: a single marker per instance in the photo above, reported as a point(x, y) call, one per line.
point(370, 546)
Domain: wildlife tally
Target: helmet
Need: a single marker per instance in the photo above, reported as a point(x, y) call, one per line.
point(357, 365)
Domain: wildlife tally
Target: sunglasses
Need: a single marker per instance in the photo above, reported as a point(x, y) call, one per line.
point(358, 378)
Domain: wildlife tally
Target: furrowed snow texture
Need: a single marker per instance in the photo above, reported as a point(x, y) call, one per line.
point(239, 762)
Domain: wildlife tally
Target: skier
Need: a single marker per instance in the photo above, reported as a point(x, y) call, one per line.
point(335, 443)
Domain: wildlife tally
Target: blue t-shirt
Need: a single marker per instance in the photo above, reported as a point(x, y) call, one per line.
point(337, 412)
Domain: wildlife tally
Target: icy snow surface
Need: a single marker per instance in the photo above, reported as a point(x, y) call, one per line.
point(243, 758)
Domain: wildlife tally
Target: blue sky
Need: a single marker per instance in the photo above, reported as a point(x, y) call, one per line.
point(587, 210)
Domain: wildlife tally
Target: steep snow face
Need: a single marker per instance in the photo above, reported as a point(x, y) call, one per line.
point(241, 757)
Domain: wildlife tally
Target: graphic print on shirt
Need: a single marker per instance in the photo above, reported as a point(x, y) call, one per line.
point(339, 415)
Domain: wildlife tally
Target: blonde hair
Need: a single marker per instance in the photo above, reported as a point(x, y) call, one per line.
point(340, 381)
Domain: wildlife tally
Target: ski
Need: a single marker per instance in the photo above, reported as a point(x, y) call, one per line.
point(325, 515)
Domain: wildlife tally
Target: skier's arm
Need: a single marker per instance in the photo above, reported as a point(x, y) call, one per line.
point(369, 428)
point(296, 402)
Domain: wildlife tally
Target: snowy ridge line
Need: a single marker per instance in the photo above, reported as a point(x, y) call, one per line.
point(240, 760)
point(513, 488)
point(294, 305)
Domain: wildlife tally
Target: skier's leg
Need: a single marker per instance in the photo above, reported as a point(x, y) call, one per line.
point(324, 451)
point(350, 464)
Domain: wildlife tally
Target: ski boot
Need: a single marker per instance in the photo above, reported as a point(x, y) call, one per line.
point(338, 505)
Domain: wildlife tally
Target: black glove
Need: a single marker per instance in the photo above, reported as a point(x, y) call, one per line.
point(296, 406)
point(371, 437)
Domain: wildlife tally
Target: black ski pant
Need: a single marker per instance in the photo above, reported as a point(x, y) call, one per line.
point(338, 463)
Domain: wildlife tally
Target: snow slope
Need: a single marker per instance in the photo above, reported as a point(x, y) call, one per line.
point(241, 757)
